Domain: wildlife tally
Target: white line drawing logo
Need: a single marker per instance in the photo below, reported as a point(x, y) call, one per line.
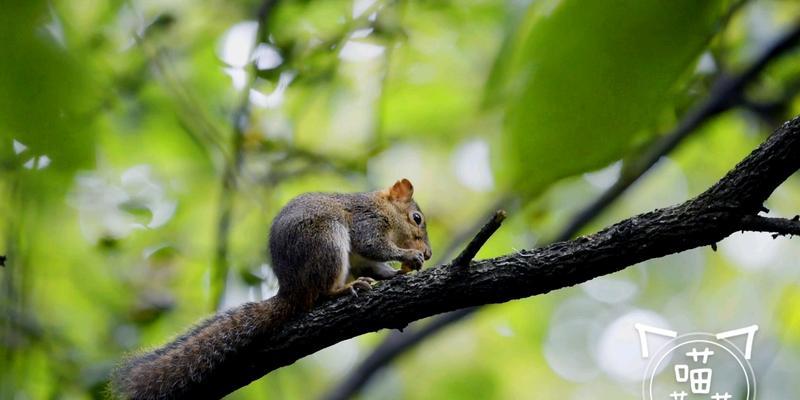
point(698, 365)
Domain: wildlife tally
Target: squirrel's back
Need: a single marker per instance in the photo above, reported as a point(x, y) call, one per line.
point(309, 240)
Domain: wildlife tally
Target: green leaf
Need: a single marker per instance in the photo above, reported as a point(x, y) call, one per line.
point(45, 96)
point(587, 77)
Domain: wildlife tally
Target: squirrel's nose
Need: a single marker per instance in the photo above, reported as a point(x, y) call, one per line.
point(428, 253)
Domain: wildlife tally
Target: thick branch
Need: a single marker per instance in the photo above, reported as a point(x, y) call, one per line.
point(702, 221)
point(726, 93)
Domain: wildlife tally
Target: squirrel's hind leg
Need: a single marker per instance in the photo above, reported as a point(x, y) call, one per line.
point(337, 283)
point(363, 283)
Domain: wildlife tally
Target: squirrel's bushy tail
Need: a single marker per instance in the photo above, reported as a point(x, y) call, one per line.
point(167, 372)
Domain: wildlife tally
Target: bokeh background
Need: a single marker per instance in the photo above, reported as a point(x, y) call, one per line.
point(146, 145)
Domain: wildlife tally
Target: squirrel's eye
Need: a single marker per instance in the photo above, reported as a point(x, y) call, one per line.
point(417, 217)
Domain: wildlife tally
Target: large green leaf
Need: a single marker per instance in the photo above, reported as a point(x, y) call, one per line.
point(585, 77)
point(44, 94)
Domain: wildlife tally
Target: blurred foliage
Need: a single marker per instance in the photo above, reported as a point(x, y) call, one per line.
point(116, 127)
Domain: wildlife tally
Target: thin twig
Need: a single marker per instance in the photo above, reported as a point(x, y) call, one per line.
point(778, 226)
point(480, 239)
point(466, 233)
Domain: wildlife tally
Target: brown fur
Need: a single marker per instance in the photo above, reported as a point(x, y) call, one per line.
point(197, 353)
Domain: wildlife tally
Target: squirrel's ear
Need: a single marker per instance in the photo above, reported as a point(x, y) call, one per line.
point(402, 190)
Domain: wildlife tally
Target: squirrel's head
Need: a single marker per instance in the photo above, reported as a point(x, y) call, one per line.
point(410, 228)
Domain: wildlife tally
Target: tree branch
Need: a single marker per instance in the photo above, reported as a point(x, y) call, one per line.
point(395, 344)
point(726, 93)
point(702, 221)
point(779, 226)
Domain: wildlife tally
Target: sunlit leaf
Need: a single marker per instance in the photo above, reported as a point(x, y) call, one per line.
point(588, 76)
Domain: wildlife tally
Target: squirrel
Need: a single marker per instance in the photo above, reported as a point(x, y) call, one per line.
point(316, 241)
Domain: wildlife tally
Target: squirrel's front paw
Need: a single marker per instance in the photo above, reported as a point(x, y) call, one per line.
point(414, 259)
